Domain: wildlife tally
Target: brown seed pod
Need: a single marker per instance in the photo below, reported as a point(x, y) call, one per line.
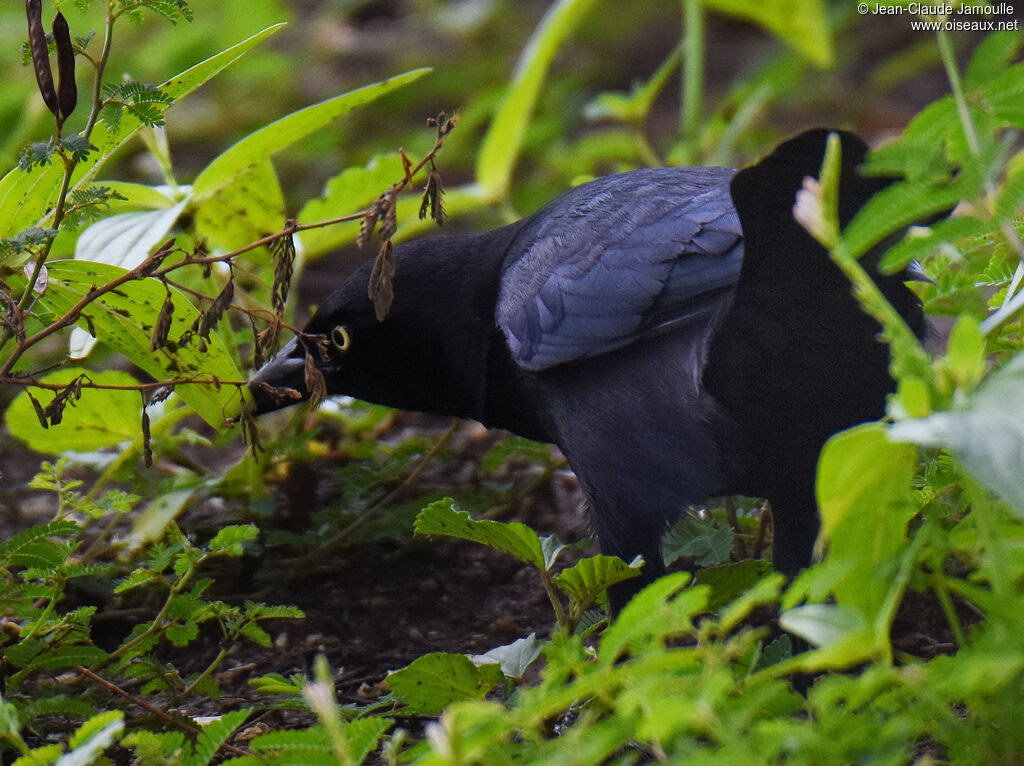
point(40, 55)
point(219, 305)
point(284, 260)
point(40, 413)
point(381, 288)
point(67, 90)
point(163, 325)
point(315, 383)
point(147, 448)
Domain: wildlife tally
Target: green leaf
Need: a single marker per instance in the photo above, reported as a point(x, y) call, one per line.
point(727, 581)
point(27, 539)
point(247, 208)
point(349, 191)
point(986, 433)
point(124, 320)
point(216, 734)
point(590, 576)
point(993, 56)
point(965, 355)
point(282, 133)
point(26, 198)
point(152, 523)
point(101, 726)
point(436, 680)
point(68, 657)
point(231, 538)
point(101, 418)
point(362, 736)
point(803, 24)
point(900, 205)
point(504, 139)
point(442, 518)
point(921, 241)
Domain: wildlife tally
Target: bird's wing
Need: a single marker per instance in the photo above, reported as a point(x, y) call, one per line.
point(618, 259)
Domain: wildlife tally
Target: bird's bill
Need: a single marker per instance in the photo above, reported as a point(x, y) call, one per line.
point(282, 380)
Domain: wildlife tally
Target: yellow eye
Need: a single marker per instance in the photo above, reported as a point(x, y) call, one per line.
point(340, 338)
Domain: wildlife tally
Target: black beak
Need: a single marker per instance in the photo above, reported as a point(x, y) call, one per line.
point(915, 273)
point(282, 380)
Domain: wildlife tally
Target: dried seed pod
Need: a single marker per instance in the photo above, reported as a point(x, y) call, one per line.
point(40, 55)
point(147, 449)
point(220, 304)
point(369, 222)
point(163, 324)
point(40, 413)
point(67, 90)
point(389, 218)
point(284, 261)
point(381, 288)
point(315, 383)
point(433, 197)
point(280, 395)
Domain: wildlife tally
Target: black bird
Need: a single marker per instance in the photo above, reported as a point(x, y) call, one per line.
point(674, 331)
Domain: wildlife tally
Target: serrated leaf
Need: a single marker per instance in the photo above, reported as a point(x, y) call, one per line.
point(992, 57)
point(986, 433)
point(280, 134)
point(135, 579)
point(900, 205)
point(590, 576)
point(921, 242)
point(216, 734)
point(434, 681)
point(68, 657)
point(101, 418)
point(124, 320)
point(443, 518)
point(35, 534)
point(233, 536)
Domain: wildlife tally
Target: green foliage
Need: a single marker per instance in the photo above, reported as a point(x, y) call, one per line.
point(929, 503)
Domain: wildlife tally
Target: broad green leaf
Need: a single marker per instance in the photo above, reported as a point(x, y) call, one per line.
point(350, 191)
point(124, 320)
point(101, 418)
point(121, 240)
point(443, 518)
point(862, 474)
point(436, 680)
point(94, 727)
point(588, 577)
point(863, 489)
point(987, 433)
point(247, 208)
point(727, 581)
point(282, 133)
point(26, 198)
point(142, 196)
point(504, 139)
point(513, 658)
point(802, 24)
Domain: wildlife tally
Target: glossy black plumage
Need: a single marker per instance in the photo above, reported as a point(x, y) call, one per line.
point(677, 338)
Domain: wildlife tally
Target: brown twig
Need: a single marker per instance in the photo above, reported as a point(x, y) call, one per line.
point(191, 728)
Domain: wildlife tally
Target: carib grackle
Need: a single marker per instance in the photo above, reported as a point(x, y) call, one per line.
point(673, 330)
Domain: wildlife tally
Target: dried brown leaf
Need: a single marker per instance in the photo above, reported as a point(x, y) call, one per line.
point(381, 288)
point(315, 383)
